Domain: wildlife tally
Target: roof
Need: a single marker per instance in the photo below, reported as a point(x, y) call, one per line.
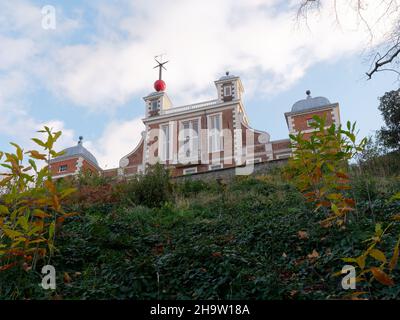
point(310, 103)
point(78, 150)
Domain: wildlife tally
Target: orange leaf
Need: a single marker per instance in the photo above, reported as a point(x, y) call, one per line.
point(36, 155)
point(395, 257)
point(7, 266)
point(342, 175)
point(67, 278)
point(302, 235)
point(313, 255)
point(381, 276)
point(350, 202)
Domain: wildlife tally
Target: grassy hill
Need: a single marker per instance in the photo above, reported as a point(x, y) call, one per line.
point(254, 237)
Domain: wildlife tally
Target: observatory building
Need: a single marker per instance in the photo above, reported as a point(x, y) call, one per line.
point(201, 137)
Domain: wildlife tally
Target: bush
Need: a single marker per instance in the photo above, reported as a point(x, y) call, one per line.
point(152, 189)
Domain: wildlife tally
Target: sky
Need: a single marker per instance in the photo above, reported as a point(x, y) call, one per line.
point(88, 74)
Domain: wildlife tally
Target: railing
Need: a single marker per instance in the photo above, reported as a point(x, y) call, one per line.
point(190, 107)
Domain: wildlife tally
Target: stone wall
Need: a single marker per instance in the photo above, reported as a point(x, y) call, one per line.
point(230, 173)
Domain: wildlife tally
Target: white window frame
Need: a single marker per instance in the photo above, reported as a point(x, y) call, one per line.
point(154, 103)
point(181, 154)
point(227, 94)
point(216, 166)
point(209, 132)
point(191, 170)
point(163, 156)
point(283, 156)
point(309, 122)
point(62, 167)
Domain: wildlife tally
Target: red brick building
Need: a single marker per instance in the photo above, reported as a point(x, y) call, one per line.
point(201, 137)
point(75, 160)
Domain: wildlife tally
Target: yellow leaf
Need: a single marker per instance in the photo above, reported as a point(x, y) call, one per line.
point(382, 277)
point(396, 217)
point(361, 261)
point(378, 255)
point(4, 210)
point(50, 186)
point(40, 214)
point(11, 233)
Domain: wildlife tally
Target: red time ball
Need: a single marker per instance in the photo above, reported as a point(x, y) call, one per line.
point(159, 85)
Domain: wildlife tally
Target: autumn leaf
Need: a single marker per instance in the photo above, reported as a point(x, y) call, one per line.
point(395, 257)
point(313, 255)
point(302, 235)
point(67, 278)
point(36, 155)
point(381, 276)
point(342, 175)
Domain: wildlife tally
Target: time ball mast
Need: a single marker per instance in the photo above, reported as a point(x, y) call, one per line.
point(160, 85)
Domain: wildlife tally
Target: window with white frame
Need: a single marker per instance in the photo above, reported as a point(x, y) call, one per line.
point(227, 91)
point(310, 122)
point(63, 168)
point(165, 143)
point(214, 133)
point(154, 105)
point(189, 139)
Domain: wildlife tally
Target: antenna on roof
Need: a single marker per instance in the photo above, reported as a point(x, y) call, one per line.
point(80, 140)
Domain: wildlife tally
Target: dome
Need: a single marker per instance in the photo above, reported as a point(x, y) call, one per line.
point(310, 103)
point(227, 76)
point(78, 150)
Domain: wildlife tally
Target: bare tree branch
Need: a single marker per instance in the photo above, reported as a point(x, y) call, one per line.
point(391, 54)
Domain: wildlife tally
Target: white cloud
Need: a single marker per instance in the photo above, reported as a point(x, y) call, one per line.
point(202, 39)
point(118, 139)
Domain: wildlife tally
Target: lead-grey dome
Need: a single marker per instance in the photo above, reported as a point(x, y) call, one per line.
point(78, 150)
point(227, 76)
point(310, 103)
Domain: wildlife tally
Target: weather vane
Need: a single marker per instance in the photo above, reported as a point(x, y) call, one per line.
point(160, 65)
point(159, 85)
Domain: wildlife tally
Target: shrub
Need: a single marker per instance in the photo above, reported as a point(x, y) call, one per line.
point(319, 167)
point(151, 189)
point(31, 206)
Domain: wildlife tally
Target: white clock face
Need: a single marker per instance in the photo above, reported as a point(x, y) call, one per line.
point(123, 162)
point(263, 138)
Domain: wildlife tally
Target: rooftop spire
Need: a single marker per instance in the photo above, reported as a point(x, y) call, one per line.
point(80, 140)
point(159, 85)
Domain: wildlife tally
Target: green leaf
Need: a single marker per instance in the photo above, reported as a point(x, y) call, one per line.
point(33, 164)
point(335, 209)
point(51, 230)
point(39, 142)
point(4, 210)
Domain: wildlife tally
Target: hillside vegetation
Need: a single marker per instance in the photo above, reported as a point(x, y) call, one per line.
point(254, 237)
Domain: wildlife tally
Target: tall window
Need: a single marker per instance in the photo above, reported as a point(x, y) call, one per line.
point(214, 133)
point(165, 143)
point(154, 105)
point(227, 91)
point(189, 139)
